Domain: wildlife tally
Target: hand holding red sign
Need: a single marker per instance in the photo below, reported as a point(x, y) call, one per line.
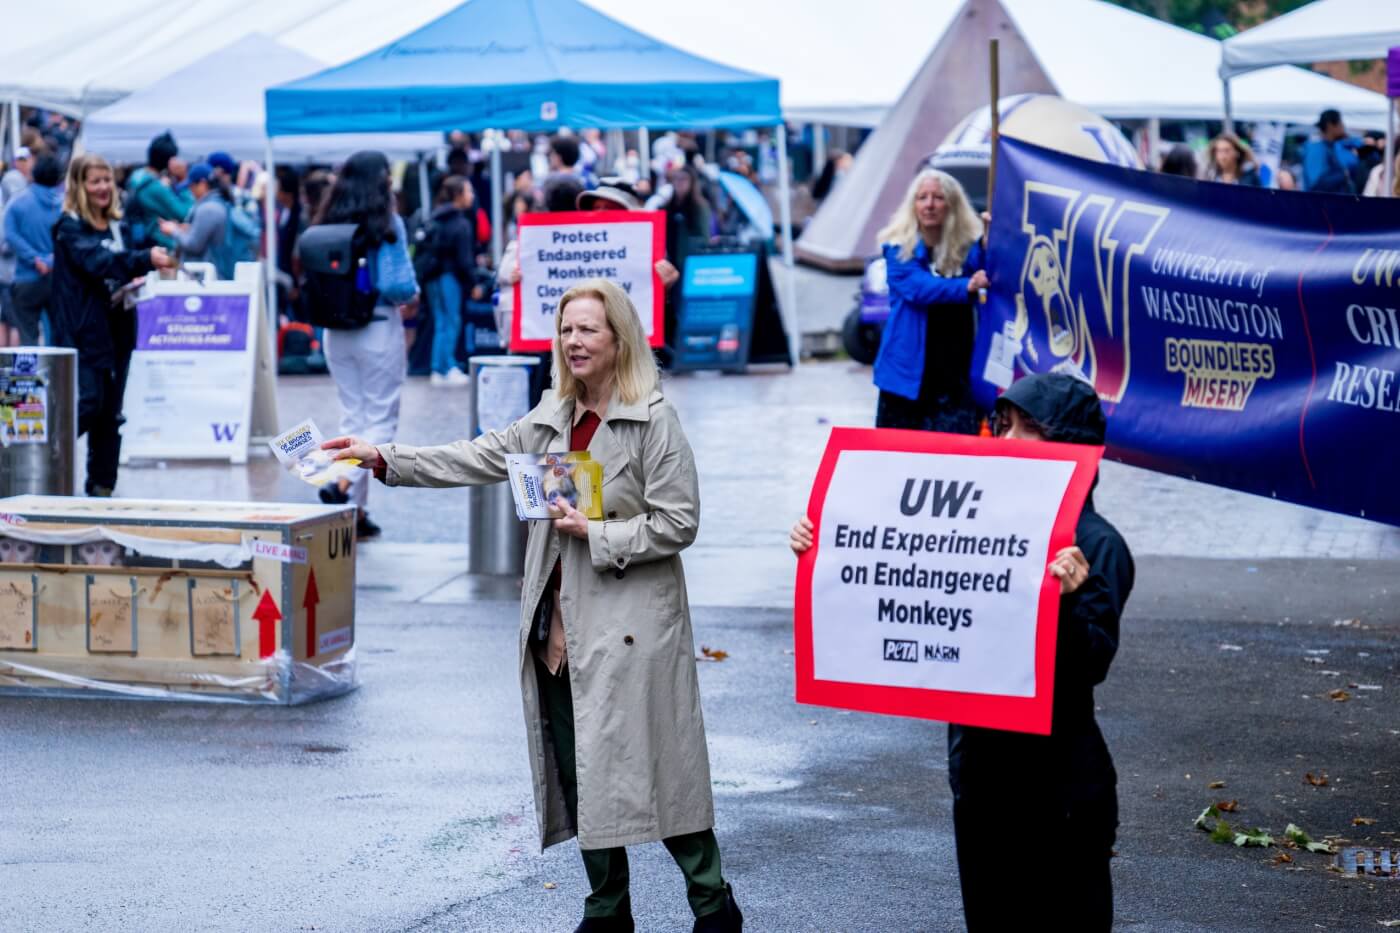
point(927, 587)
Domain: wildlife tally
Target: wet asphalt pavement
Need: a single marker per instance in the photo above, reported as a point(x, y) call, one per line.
point(406, 805)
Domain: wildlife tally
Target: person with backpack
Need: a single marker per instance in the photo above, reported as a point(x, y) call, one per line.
point(357, 281)
point(242, 213)
point(446, 264)
point(205, 227)
point(28, 226)
point(92, 273)
point(153, 194)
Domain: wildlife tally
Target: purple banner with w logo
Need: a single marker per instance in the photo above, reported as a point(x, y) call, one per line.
point(1244, 337)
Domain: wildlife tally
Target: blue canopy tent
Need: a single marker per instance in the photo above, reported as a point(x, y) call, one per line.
point(535, 65)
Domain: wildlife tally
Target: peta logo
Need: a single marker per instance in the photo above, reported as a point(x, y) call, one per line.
point(1072, 303)
point(898, 649)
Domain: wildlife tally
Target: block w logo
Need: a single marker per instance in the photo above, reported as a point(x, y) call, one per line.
point(224, 432)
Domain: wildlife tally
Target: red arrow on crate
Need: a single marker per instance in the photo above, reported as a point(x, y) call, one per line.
point(309, 604)
point(268, 615)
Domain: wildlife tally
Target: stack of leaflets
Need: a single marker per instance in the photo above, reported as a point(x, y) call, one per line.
point(540, 481)
point(299, 451)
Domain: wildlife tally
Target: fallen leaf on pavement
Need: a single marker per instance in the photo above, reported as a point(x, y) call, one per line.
point(1216, 785)
point(1389, 923)
point(550, 885)
point(1319, 780)
point(1254, 837)
point(1294, 834)
point(711, 654)
point(1283, 858)
point(1341, 696)
point(1363, 821)
point(1228, 806)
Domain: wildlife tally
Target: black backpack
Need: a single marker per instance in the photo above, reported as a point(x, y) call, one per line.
point(337, 287)
point(427, 254)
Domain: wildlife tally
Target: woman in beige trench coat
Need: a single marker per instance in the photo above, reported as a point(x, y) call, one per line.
point(607, 658)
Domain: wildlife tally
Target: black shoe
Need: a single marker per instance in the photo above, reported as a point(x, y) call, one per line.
point(364, 528)
point(725, 920)
point(622, 924)
point(332, 494)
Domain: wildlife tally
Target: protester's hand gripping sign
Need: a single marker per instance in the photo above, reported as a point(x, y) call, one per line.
point(926, 592)
point(558, 251)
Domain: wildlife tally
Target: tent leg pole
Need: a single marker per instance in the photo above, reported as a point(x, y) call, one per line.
point(789, 278)
point(1391, 148)
point(710, 144)
point(1154, 142)
point(1229, 106)
point(818, 149)
point(270, 241)
point(14, 126)
point(425, 208)
point(497, 233)
point(644, 153)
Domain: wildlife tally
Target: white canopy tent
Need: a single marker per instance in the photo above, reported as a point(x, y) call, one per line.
point(855, 60)
point(1322, 31)
point(121, 46)
point(218, 103)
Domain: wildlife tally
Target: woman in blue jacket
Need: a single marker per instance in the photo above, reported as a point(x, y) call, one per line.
point(934, 262)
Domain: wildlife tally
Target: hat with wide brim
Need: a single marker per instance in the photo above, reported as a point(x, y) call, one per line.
point(613, 194)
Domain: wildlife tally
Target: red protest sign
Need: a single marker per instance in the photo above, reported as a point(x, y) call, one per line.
point(557, 251)
point(926, 592)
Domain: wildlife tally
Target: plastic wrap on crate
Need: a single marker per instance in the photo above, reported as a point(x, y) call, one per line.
point(276, 680)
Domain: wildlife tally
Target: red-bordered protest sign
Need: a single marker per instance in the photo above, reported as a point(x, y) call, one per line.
point(557, 251)
point(926, 592)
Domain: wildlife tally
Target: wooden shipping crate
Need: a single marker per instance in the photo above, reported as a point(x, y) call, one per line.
point(234, 601)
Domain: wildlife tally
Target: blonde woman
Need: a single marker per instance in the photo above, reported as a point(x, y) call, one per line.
point(607, 663)
point(934, 262)
point(91, 267)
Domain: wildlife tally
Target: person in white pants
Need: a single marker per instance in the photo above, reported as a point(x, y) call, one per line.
point(369, 364)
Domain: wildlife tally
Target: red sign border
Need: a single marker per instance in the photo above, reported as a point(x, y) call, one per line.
point(1018, 714)
point(657, 219)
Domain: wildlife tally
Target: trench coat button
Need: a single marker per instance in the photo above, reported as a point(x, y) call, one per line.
point(627, 639)
point(619, 574)
point(612, 514)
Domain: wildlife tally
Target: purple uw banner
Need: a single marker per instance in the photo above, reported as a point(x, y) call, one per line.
point(192, 322)
point(1239, 336)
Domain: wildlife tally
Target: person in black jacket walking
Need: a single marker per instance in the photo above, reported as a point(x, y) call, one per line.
point(90, 271)
point(1013, 790)
point(451, 270)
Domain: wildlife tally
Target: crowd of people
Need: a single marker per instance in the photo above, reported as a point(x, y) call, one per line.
point(1330, 161)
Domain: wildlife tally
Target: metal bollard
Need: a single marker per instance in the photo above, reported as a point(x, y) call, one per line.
point(500, 387)
point(38, 420)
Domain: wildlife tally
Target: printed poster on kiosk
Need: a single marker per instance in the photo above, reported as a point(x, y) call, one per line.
point(190, 390)
point(926, 592)
point(557, 251)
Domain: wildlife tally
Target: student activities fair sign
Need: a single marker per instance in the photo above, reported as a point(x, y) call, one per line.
point(558, 251)
point(926, 592)
point(1239, 336)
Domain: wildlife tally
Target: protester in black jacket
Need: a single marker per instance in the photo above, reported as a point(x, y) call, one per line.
point(1035, 816)
point(1056, 793)
point(91, 267)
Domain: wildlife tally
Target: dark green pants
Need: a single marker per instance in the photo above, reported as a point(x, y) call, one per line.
point(697, 854)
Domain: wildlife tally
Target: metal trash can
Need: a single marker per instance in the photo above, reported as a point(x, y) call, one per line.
point(500, 387)
point(38, 420)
